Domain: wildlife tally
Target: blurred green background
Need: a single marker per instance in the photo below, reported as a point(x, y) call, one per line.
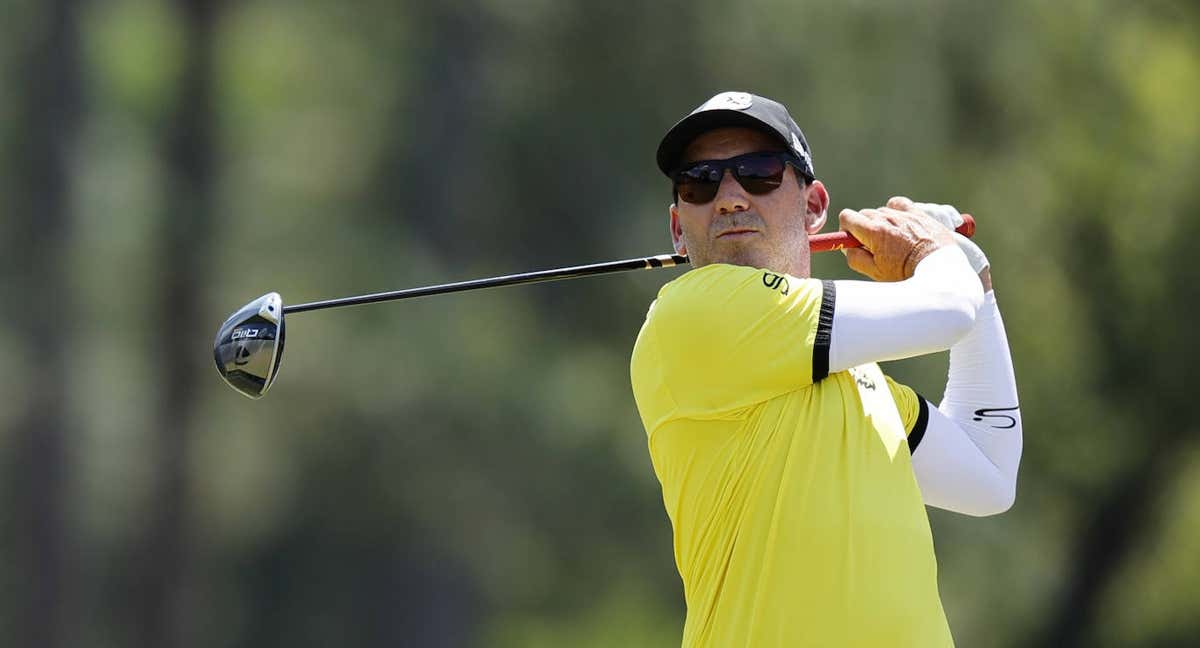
point(470, 470)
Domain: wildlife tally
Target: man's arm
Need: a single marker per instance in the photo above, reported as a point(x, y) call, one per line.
point(966, 457)
point(969, 463)
point(926, 313)
point(967, 460)
point(925, 295)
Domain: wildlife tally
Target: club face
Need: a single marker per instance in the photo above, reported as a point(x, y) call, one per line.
point(249, 346)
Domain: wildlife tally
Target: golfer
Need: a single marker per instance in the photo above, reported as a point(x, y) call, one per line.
point(794, 471)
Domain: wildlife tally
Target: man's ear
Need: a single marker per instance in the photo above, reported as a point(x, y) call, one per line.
point(677, 232)
point(816, 206)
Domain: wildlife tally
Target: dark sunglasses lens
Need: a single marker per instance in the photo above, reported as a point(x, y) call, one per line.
point(760, 175)
point(698, 184)
point(757, 173)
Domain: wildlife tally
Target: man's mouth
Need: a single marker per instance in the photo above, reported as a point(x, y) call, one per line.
point(737, 233)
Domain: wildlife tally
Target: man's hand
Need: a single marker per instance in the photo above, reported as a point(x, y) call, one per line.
point(949, 216)
point(895, 239)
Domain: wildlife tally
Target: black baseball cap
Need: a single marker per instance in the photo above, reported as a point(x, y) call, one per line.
point(734, 109)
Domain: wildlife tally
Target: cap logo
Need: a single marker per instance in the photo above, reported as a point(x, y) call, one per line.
point(801, 151)
point(729, 101)
point(797, 145)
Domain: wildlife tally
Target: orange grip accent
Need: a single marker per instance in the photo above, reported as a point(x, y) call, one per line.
point(839, 240)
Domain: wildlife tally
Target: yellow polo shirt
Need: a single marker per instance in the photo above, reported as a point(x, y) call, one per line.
point(797, 518)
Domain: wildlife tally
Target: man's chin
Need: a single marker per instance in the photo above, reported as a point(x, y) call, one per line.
point(741, 257)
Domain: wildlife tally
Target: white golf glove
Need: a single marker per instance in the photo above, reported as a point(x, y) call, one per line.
point(947, 215)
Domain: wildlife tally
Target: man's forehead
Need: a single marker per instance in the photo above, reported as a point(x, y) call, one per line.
point(723, 143)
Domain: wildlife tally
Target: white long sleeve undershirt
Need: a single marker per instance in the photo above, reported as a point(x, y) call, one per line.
point(926, 313)
point(968, 459)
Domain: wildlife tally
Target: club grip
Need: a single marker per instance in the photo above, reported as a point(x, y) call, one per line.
point(839, 240)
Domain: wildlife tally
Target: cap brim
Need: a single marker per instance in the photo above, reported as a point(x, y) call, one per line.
point(676, 141)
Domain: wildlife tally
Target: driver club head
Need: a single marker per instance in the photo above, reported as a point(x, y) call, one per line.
point(249, 346)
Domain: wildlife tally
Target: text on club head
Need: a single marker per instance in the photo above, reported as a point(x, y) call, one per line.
point(246, 333)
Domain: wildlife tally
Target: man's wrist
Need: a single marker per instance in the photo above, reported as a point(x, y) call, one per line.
point(985, 277)
point(918, 253)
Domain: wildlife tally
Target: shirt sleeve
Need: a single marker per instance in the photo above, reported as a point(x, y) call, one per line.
point(914, 411)
point(732, 336)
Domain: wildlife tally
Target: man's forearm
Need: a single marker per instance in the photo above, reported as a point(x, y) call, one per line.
point(967, 460)
point(981, 390)
point(927, 313)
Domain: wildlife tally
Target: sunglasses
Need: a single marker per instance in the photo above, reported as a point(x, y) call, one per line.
point(758, 173)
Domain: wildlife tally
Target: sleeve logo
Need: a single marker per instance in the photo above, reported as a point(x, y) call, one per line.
point(993, 413)
point(776, 282)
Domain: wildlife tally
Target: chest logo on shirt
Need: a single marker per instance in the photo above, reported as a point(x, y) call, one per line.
point(776, 282)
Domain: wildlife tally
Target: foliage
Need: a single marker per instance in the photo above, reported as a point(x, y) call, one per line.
point(470, 470)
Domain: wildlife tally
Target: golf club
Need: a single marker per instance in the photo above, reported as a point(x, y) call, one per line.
point(249, 345)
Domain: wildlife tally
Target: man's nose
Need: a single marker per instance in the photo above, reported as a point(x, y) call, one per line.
point(731, 197)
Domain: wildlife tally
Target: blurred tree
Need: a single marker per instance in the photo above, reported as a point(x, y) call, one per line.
point(1129, 508)
point(433, 154)
point(37, 285)
point(161, 613)
point(1130, 217)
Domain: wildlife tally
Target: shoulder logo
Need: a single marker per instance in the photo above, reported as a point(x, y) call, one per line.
point(981, 414)
point(862, 378)
point(776, 282)
point(729, 101)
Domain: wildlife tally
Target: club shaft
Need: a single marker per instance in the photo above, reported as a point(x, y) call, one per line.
point(644, 263)
point(817, 243)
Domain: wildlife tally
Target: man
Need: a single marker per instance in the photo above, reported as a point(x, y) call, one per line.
point(793, 470)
